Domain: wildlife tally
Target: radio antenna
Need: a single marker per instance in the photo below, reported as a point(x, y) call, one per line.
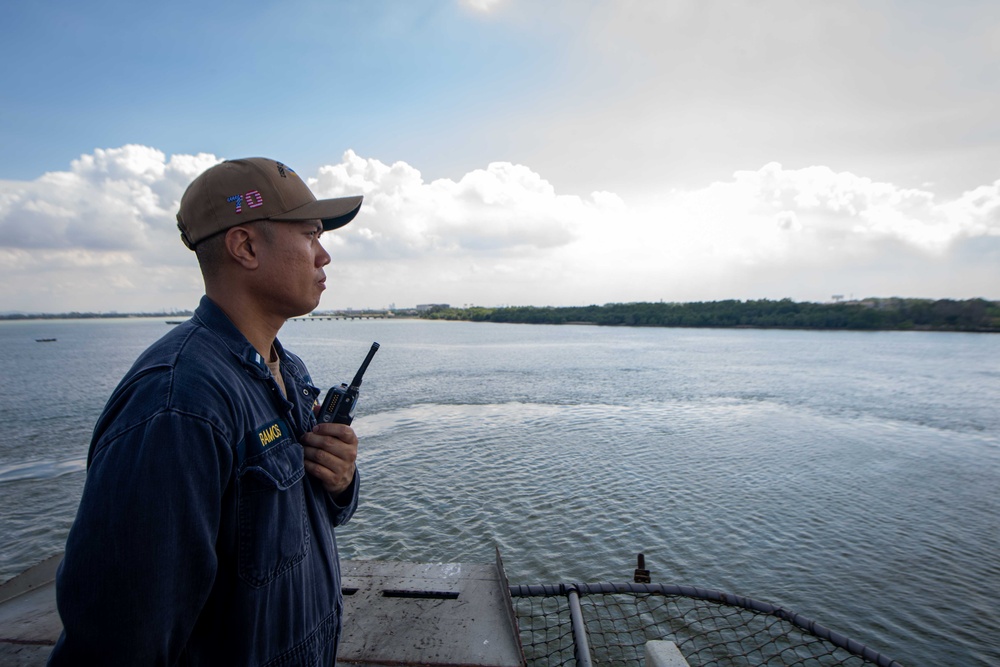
point(356, 382)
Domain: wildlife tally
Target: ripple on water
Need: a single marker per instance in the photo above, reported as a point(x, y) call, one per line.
point(780, 504)
point(850, 477)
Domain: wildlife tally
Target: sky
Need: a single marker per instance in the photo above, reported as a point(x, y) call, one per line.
point(512, 152)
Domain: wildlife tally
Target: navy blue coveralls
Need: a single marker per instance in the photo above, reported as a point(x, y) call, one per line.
point(199, 539)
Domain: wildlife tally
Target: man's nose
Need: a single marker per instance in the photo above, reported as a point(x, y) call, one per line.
point(322, 257)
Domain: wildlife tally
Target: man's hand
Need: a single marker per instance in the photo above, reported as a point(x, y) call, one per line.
point(330, 453)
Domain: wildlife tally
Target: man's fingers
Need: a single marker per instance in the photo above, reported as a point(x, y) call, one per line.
point(341, 432)
point(322, 473)
point(333, 472)
point(331, 458)
point(329, 453)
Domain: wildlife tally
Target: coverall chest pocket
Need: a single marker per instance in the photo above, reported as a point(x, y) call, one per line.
point(274, 533)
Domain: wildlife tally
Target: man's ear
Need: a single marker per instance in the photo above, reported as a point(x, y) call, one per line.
point(240, 243)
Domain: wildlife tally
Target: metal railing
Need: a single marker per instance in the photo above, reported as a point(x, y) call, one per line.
point(609, 624)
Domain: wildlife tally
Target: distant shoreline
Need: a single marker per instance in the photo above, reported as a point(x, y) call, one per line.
point(90, 316)
point(875, 314)
point(872, 314)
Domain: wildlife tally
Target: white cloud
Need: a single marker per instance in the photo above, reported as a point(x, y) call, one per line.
point(502, 209)
point(848, 210)
point(102, 236)
point(977, 212)
point(115, 199)
point(481, 5)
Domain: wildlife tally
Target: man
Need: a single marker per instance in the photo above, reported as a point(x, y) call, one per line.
point(205, 535)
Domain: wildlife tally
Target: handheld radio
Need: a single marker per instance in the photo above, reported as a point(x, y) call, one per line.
point(340, 402)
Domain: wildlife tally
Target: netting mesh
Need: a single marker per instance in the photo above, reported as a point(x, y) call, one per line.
point(707, 632)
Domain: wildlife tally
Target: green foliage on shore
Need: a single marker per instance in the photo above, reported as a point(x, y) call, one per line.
point(868, 314)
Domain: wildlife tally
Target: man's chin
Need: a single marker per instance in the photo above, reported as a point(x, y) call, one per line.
point(301, 310)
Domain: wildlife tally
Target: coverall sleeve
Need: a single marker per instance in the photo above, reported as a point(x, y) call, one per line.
point(343, 505)
point(140, 558)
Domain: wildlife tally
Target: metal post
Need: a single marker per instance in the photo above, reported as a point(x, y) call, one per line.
point(581, 646)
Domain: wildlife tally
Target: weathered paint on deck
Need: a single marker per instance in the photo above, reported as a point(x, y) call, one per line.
point(428, 614)
point(394, 614)
point(29, 623)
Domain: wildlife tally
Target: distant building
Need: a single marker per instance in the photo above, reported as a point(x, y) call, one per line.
point(422, 307)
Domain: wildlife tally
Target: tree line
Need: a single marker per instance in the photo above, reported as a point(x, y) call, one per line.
point(868, 314)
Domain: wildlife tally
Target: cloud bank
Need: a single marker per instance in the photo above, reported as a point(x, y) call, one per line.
point(102, 236)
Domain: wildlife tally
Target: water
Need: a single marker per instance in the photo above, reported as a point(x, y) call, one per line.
point(851, 477)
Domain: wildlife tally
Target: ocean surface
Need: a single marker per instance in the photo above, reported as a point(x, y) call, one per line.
point(851, 477)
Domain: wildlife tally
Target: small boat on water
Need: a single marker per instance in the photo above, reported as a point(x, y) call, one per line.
point(45, 340)
point(174, 321)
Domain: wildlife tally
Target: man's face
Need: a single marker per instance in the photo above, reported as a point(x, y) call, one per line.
point(291, 267)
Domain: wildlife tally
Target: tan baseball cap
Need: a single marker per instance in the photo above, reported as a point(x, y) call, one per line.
point(236, 192)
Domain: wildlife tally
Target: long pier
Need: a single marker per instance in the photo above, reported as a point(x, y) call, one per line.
point(356, 315)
